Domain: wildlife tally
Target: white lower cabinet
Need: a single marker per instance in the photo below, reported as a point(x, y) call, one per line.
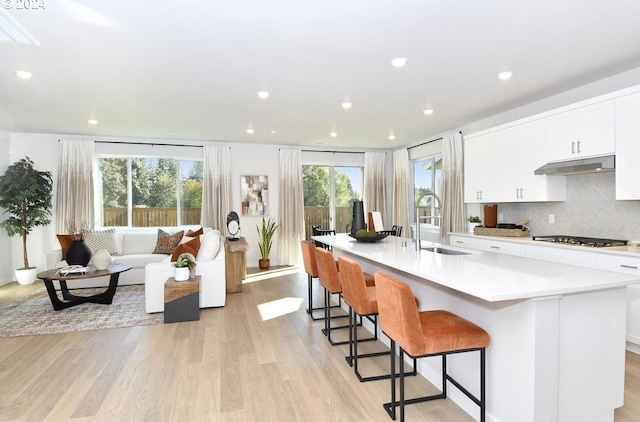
point(587, 258)
point(626, 265)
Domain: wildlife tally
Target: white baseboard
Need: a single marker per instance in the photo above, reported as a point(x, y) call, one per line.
point(633, 346)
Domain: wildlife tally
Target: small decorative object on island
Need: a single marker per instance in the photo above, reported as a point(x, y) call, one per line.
point(265, 240)
point(25, 194)
point(78, 252)
point(472, 222)
point(101, 259)
point(185, 263)
point(357, 222)
point(366, 236)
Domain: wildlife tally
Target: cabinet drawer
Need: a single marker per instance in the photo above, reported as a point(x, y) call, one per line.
point(506, 248)
point(580, 258)
point(619, 264)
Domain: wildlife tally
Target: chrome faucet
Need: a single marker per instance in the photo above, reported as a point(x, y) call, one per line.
point(432, 217)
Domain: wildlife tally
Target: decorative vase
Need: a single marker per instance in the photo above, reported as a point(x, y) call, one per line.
point(182, 274)
point(264, 264)
point(357, 222)
point(78, 253)
point(101, 259)
point(26, 276)
point(471, 226)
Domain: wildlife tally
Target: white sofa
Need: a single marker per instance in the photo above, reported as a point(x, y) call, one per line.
point(135, 248)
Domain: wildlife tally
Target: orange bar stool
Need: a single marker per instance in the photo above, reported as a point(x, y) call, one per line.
point(330, 280)
point(362, 302)
point(423, 334)
point(311, 268)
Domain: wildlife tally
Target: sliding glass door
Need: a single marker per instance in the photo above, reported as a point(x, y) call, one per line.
point(329, 192)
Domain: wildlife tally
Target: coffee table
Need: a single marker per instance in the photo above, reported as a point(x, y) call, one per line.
point(69, 299)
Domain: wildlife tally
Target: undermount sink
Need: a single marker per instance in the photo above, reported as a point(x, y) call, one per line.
point(444, 251)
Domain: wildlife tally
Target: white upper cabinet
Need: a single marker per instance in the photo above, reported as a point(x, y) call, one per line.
point(628, 146)
point(583, 132)
point(481, 168)
point(523, 151)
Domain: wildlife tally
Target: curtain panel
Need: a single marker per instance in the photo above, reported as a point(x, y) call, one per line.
point(216, 187)
point(374, 197)
point(452, 186)
point(75, 196)
point(401, 190)
point(291, 207)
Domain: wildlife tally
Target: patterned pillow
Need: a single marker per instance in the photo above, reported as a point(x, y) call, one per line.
point(104, 239)
point(167, 242)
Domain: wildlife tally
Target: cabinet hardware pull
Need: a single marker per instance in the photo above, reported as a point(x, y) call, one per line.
point(494, 247)
point(459, 241)
point(631, 267)
point(573, 147)
point(578, 144)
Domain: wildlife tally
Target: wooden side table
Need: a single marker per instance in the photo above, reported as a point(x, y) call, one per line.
point(182, 300)
point(235, 263)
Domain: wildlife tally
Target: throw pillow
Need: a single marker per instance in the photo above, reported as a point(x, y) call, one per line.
point(191, 247)
point(104, 239)
point(194, 233)
point(167, 242)
point(65, 241)
point(210, 246)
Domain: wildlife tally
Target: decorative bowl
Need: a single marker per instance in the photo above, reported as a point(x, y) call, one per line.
point(369, 239)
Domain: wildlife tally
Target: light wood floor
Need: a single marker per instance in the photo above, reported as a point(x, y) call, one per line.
point(230, 366)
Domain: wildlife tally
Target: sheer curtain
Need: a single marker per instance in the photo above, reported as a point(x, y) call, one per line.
point(291, 207)
point(401, 189)
point(452, 186)
point(216, 187)
point(374, 184)
point(75, 190)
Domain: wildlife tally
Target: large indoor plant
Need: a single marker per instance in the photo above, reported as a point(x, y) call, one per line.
point(25, 194)
point(265, 241)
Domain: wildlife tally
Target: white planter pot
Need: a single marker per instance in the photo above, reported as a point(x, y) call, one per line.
point(26, 276)
point(182, 274)
point(101, 259)
point(470, 226)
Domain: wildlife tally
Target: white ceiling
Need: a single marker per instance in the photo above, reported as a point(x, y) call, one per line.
point(191, 69)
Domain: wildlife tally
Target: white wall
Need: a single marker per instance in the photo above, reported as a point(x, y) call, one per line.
point(6, 268)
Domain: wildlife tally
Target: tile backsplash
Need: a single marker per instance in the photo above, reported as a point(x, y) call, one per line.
point(590, 210)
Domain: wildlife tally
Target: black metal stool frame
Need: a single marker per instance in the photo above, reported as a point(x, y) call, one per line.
point(391, 406)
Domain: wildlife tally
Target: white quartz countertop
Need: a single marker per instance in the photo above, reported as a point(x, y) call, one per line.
point(485, 275)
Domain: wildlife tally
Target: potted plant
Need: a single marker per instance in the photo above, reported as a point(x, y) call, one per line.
point(25, 194)
point(472, 222)
point(265, 241)
point(185, 264)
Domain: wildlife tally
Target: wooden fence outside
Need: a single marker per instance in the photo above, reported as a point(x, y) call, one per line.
point(150, 217)
point(319, 216)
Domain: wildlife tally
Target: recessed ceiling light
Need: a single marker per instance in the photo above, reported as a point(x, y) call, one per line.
point(263, 94)
point(398, 62)
point(505, 75)
point(333, 134)
point(428, 111)
point(92, 122)
point(273, 132)
point(23, 74)
point(392, 137)
point(346, 105)
point(250, 131)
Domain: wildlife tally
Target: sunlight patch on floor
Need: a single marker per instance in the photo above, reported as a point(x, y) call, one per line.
point(273, 273)
point(280, 307)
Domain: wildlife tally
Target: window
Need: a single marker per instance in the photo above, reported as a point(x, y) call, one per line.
point(428, 181)
point(149, 192)
point(329, 192)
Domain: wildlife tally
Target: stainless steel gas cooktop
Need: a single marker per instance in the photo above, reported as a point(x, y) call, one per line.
point(592, 242)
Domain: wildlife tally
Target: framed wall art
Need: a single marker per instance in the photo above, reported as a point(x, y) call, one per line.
point(254, 191)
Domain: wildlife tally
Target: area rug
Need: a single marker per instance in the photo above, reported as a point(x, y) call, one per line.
point(34, 314)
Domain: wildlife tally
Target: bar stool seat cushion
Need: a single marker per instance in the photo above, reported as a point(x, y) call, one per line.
point(444, 331)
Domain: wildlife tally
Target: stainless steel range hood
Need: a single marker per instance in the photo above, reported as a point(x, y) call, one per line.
point(586, 165)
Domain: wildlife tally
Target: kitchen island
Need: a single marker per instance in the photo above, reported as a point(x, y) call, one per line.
point(557, 349)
